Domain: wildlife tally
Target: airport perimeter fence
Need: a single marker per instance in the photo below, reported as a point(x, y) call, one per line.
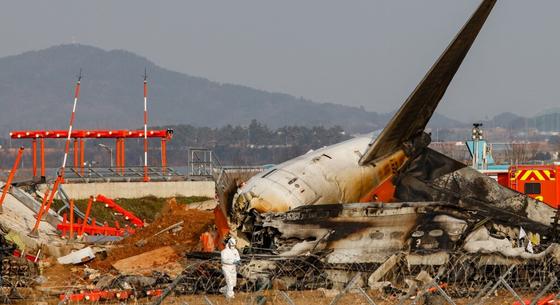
point(302, 282)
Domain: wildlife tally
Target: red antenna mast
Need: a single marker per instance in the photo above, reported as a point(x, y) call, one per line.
point(60, 177)
point(146, 178)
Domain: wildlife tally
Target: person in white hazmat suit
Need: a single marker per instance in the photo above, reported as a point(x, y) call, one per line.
point(230, 259)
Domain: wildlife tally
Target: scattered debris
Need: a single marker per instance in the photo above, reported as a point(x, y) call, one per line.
point(101, 239)
point(174, 228)
point(77, 257)
point(375, 278)
point(195, 222)
point(128, 216)
point(92, 229)
point(164, 258)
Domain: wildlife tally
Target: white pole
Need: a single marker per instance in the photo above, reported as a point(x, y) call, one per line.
point(146, 178)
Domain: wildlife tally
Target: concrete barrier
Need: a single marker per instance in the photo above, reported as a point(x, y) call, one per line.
point(140, 189)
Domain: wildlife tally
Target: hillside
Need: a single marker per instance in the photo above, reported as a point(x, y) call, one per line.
point(36, 91)
point(546, 121)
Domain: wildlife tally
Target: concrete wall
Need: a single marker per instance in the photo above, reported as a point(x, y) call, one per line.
point(140, 189)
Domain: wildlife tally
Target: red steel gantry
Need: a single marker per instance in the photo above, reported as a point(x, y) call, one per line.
point(80, 135)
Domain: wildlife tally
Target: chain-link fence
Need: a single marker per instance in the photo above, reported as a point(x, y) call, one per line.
point(270, 279)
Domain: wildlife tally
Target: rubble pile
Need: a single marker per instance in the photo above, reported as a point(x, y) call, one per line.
point(60, 267)
point(184, 237)
point(147, 262)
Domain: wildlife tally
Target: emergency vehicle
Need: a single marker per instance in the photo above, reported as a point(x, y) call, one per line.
point(534, 180)
point(537, 181)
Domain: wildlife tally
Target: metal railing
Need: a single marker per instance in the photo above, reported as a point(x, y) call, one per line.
point(203, 164)
point(126, 174)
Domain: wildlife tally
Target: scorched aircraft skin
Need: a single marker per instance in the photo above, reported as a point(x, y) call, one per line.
point(322, 202)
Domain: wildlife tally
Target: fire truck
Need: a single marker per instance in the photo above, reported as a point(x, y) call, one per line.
point(537, 181)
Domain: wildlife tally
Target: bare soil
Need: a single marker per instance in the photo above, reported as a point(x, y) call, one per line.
point(195, 222)
point(274, 297)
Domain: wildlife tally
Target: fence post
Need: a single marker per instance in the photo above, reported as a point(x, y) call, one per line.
point(346, 289)
point(208, 301)
point(259, 297)
point(545, 290)
point(496, 285)
point(406, 296)
point(508, 287)
point(481, 293)
point(168, 289)
point(287, 298)
point(368, 298)
point(443, 294)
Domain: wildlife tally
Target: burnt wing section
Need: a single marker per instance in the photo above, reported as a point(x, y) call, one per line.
point(432, 176)
point(414, 114)
point(426, 166)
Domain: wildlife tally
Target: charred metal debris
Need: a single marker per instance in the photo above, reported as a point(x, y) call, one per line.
point(446, 219)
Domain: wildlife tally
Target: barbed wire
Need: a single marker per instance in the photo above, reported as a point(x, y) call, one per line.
point(309, 278)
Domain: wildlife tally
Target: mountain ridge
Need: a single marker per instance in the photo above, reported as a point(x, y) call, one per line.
point(37, 86)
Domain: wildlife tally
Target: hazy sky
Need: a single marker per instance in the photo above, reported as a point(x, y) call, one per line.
point(370, 53)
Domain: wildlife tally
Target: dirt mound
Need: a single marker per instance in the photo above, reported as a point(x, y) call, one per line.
point(195, 222)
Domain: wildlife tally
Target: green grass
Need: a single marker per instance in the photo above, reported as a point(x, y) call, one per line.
point(146, 208)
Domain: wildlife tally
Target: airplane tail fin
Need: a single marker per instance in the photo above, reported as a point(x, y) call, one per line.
point(413, 116)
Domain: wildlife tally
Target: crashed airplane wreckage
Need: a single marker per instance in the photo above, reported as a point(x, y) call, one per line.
point(368, 203)
point(440, 206)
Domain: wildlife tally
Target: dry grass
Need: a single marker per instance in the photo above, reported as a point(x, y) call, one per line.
point(146, 208)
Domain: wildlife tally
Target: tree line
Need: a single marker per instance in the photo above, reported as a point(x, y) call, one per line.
point(254, 143)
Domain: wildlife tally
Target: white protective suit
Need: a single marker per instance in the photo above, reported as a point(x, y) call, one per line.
point(230, 259)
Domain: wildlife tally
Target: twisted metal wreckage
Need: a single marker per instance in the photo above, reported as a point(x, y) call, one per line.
point(394, 206)
point(388, 210)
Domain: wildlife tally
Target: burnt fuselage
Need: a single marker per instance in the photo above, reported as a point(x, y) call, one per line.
point(363, 233)
point(326, 176)
point(309, 203)
point(441, 206)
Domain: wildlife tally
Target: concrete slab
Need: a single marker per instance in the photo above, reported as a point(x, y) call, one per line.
point(31, 203)
point(77, 257)
point(208, 205)
point(159, 259)
point(139, 189)
point(19, 219)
